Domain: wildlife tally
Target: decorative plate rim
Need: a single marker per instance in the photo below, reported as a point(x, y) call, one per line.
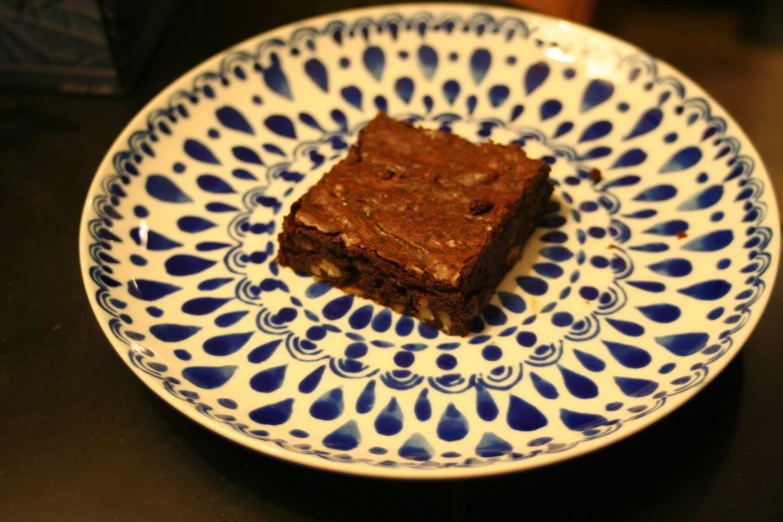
point(184, 83)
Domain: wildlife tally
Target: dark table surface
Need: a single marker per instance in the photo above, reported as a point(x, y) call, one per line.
point(82, 439)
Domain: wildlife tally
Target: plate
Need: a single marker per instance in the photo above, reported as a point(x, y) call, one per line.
point(637, 289)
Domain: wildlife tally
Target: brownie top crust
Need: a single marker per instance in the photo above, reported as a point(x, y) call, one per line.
point(426, 200)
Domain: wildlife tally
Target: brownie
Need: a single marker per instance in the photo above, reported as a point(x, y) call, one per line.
point(421, 221)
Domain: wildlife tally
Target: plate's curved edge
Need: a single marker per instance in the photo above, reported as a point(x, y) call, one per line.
point(158, 104)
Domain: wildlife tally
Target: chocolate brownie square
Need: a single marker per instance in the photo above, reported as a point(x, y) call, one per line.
point(421, 221)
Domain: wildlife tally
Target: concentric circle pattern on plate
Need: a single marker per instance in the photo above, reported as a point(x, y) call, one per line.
point(636, 289)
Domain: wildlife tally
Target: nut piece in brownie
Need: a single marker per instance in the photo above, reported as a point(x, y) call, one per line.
point(421, 221)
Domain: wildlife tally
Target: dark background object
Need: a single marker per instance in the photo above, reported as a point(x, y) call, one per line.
point(764, 21)
point(78, 46)
point(82, 439)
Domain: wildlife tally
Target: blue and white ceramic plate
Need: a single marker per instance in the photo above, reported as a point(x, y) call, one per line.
point(631, 296)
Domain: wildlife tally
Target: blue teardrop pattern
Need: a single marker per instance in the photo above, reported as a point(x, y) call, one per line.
point(596, 131)
point(182, 265)
point(684, 344)
point(623, 181)
point(194, 224)
point(523, 416)
point(633, 387)
point(627, 355)
point(263, 352)
point(208, 377)
point(597, 152)
point(404, 89)
point(353, 95)
point(549, 109)
point(361, 317)
point(558, 254)
point(596, 93)
point(648, 122)
point(668, 228)
point(163, 189)
point(498, 95)
point(374, 61)
point(563, 128)
point(428, 61)
point(107, 235)
point(337, 308)
point(223, 345)
point(711, 242)
point(661, 313)
point(204, 305)
point(148, 290)
point(200, 152)
point(471, 104)
point(451, 90)
point(578, 385)
point(233, 119)
point(682, 160)
point(576, 421)
point(545, 388)
point(535, 76)
point(590, 361)
point(382, 321)
point(246, 155)
point(628, 328)
point(533, 285)
point(339, 118)
point(707, 290)
point(453, 426)
point(485, 405)
point(311, 380)
point(493, 315)
point(275, 78)
point(416, 448)
point(273, 414)
point(220, 207)
point(648, 286)
point(366, 401)
point(281, 125)
point(651, 247)
point(214, 185)
point(317, 289)
point(423, 408)
point(344, 438)
point(480, 61)
point(642, 214)
point(315, 69)
point(555, 236)
point(427, 331)
point(516, 112)
point(630, 158)
point(404, 326)
point(389, 421)
point(328, 406)
point(656, 193)
point(675, 267)
point(704, 199)
point(173, 333)
point(269, 380)
point(491, 445)
point(512, 302)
